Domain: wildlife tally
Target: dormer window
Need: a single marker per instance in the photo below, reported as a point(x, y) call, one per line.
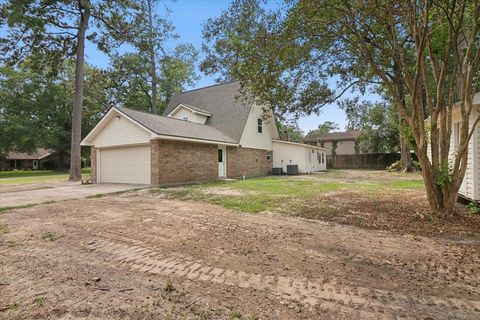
point(259, 125)
point(185, 118)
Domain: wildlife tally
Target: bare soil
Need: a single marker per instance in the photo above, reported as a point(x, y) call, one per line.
point(402, 212)
point(132, 256)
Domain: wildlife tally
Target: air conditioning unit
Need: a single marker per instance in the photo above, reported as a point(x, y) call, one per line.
point(292, 169)
point(277, 171)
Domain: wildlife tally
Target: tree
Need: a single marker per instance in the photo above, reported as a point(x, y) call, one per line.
point(35, 106)
point(424, 53)
point(290, 131)
point(53, 30)
point(377, 123)
point(130, 75)
point(326, 127)
point(153, 69)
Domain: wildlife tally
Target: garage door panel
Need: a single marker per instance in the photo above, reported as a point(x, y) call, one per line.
point(125, 165)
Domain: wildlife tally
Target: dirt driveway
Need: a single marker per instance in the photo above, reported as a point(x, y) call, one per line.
point(134, 256)
point(20, 195)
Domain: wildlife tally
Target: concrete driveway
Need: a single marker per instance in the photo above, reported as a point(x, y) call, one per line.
point(64, 191)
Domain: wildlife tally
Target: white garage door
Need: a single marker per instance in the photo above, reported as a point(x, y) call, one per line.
point(124, 165)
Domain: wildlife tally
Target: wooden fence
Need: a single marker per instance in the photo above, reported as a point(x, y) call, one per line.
point(373, 161)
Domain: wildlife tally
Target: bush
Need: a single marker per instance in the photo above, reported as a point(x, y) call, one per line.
point(473, 207)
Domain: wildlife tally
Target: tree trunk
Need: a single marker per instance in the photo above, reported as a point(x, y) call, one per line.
point(153, 64)
point(75, 154)
point(405, 157)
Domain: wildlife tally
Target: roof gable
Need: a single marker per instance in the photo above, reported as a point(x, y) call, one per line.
point(229, 110)
point(332, 136)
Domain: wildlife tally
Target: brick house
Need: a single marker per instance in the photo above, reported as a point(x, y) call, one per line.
point(204, 134)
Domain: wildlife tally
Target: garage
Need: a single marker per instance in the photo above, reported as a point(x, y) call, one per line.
point(124, 164)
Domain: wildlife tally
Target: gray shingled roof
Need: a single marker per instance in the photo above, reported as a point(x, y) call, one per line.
point(224, 101)
point(175, 127)
point(332, 136)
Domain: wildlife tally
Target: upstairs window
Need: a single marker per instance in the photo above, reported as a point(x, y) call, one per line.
point(259, 125)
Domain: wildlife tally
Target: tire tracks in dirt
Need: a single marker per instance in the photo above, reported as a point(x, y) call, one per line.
point(321, 292)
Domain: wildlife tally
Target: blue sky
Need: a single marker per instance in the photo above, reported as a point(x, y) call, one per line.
point(188, 16)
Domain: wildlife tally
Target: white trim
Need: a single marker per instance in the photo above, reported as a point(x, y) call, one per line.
point(474, 155)
point(181, 105)
point(175, 138)
point(154, 135)
point(309, 146)
point(100, 124)
point(224, 156)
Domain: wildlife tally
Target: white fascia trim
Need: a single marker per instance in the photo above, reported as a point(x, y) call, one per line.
point(99, 125)
point(175, 138)
point(190, 109)
point(475, 163)
point(309, 146)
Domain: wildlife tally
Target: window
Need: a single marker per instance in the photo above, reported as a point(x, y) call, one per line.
point(185, 118)
point(259, 125)
point(456, 135)
point(220, 155)
point(269, 157)
point(323, 157)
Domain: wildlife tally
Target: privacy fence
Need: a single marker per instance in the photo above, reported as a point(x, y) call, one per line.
point(373, 161)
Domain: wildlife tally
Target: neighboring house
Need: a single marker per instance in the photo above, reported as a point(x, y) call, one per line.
point(204, 134)
point(34, 160)
point(337, 142)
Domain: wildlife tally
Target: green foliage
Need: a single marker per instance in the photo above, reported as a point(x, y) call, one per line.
point(377, 123)
point(326, 127)
point(36, 106)
point(443, 175)
point(291, 131)
point(473, 207)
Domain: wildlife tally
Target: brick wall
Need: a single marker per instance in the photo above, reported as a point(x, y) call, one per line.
point(93, 164)
point(177, 161)
point(248, 162)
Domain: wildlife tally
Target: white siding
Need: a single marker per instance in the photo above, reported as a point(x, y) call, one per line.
point(307, 161)
point(251, 138)
point(119, 131)
point(185, 114)
point(124, 165)
point(469, 187)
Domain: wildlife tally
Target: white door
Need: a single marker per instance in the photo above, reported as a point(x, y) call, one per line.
point(124, 165)
point(221, 161)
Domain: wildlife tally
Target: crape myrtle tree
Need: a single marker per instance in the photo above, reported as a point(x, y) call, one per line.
point(423, 53)
point(54, 30)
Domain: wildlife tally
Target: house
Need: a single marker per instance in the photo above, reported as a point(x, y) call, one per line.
point(204, 134)
point(339, 143)
point(470, 187)
point(35, 160)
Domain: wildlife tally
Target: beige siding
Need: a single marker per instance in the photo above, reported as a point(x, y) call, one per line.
point(185, 114)
point(286, 153)
point(343, 147)
point(119, 131)
point(251, 138)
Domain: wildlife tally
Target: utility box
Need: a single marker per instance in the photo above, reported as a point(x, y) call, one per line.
point(277, 171)
point(292, 169)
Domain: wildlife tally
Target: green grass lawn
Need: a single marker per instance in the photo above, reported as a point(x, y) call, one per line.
point(35, 176)
point(276, 193)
